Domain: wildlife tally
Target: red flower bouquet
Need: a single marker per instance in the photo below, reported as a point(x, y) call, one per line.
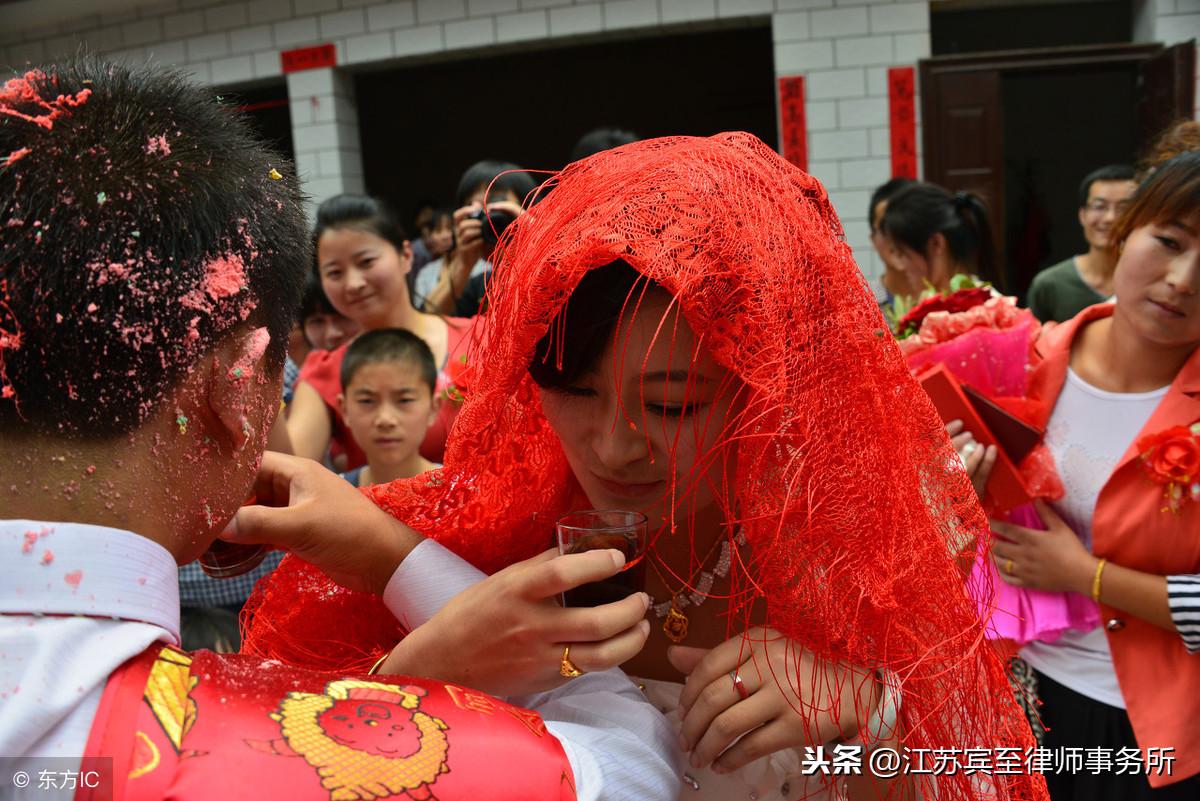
point(986, 342)
point(958, 301)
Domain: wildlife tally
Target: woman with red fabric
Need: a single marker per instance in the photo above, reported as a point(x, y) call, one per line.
point(1119, 386)
point(679, 329)
point(363, 259)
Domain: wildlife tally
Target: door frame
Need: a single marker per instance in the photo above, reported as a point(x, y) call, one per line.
point(1008, 61)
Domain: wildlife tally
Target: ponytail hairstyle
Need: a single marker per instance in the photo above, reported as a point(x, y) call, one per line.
point(920, 210)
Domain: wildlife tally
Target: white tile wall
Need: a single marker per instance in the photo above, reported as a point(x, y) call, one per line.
point(372, 47)
point(415, 41)
point(429, 11)
point(687, 10)
point(232, 71)
point(523, 26)
point(214, 45)
point(742, 8)
point(187, 24)
point(630, 14)
point(587, 18)
point(251, 39)
point(226, 17)
point(295, 31)
point(839, 22)
point(343, 23)
point(844, 47)
point(470, 33)
point(268, 10)
point(480, 8)
point(391, 15)
point(792, 58)
point(142, 32)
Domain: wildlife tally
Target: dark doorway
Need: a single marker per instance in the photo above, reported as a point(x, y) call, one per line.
point(422, 125)
point(1070, 123)
point(1022, 128)
point(266, 109)
point(977, 26)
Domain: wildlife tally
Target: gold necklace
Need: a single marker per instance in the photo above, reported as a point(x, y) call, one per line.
point(675, 625)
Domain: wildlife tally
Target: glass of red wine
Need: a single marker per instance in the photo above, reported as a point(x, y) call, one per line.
point(228, 559)
point(596, 529)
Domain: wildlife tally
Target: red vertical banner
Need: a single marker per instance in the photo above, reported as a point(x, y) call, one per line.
point(902, 121)
point(793, 123)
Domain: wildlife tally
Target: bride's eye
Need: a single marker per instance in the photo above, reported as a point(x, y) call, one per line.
point(674, 409)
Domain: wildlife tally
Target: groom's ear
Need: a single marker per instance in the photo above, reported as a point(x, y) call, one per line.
point(236, 373)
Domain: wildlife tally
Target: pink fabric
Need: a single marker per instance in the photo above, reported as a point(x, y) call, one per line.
point(989, 347)
point(1018, 615)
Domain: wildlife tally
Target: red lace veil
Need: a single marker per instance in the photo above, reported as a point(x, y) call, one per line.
point(843, 480)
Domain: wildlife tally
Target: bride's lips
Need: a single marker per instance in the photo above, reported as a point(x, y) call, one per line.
point(631, 490)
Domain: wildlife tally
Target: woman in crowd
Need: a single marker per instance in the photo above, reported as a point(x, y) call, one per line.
point(931, 235)
point(363, 259)
point(678, 330)
point(1120, 385)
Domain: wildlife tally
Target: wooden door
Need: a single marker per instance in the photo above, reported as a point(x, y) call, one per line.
point(1165, 90)
point(962, 129)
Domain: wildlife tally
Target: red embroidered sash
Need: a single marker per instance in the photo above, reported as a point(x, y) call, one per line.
point(205, 726)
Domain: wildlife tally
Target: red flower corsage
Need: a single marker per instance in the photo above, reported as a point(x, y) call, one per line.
point(1172, 458)
point(456, 373)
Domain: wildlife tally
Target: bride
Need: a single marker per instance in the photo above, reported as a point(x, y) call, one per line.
point(678, 329)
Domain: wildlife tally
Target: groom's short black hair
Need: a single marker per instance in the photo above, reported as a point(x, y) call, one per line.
point(140, 223)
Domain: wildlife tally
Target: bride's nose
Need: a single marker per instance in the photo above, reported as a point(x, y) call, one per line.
point(620, 440)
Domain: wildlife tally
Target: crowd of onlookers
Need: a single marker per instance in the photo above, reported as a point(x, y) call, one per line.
point(141, 434)
point(379, 407)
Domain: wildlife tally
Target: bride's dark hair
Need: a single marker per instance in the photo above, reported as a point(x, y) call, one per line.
point(580, 331)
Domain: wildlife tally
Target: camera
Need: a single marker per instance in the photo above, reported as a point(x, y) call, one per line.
point(494, 222)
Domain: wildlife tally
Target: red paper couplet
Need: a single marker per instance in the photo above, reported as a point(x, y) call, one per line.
point(309, 58)
point(902, 121)
point(794, 133)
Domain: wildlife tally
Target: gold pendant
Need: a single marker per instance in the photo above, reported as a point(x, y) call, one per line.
point(676, 625)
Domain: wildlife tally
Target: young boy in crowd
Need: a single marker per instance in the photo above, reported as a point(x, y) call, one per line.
point(389, 401)
point(152, 258)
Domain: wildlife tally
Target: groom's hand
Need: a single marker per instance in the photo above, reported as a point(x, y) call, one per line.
point(320, 517)
point(506, 634)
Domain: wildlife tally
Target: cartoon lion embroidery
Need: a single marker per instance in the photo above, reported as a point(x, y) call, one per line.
point(367, 740)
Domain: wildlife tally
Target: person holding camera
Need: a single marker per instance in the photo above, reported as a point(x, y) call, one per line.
point(489, 198)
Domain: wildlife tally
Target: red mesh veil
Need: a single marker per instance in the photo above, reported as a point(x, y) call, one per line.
point(843, 481)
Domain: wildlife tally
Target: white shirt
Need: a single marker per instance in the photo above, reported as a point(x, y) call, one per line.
point(76, 601)
point(1087, 434)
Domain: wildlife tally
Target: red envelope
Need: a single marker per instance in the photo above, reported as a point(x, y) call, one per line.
point(1006, 489)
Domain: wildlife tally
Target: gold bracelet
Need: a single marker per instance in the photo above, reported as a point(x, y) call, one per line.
point(1096, 580)
point(375, 668)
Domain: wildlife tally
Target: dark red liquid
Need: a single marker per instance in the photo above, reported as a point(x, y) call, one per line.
point(228, 559)
point(630, 579)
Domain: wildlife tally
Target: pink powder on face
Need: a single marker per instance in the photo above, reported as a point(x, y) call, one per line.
point(73, 578)
point(157, 144)
point(47, 556)
point(31, 538)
